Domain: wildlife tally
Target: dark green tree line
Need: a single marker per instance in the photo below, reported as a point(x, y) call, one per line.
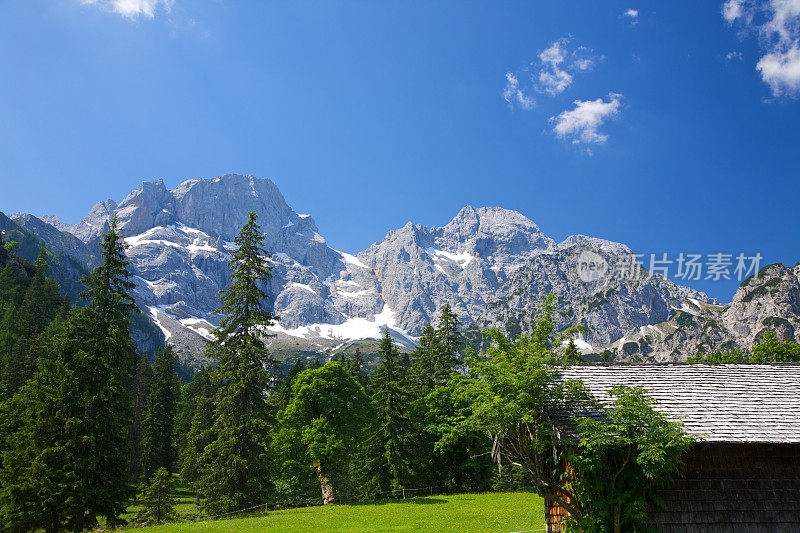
point(66, 464)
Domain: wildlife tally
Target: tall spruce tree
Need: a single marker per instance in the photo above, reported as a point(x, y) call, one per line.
point(158, 503)
point(194, 427)
point(355, 367)
point(284, 389)
point(109, 284)
point(571, 354)
point(30, 311)
point(66, 464)
point(389, 462)
point(425, 362)
point(450, 342)
point(140, 392)
point(235, 466)
point(157, 442)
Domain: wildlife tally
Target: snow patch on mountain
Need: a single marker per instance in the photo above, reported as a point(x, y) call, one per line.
point(154, 315)
point(352, 260)
point(202, 327)
point(354, 328)
point(295, 285)
point(460, 259)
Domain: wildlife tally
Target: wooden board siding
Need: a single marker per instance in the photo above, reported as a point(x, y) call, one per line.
point(735, 487)
point(553, 514)
point(726, 487)
point(745, 473)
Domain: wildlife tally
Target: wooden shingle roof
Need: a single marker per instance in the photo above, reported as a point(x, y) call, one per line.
point(716, 402)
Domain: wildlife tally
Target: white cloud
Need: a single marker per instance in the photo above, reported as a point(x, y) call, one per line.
point(781, 70)
point(550, 73)
point(132, 9)
point(582, 123)
point(556, 64)
point(632, 14)
point(552, 78)
point(733, 10)
point(777, 23)
point(514, 95)
point(734, 55)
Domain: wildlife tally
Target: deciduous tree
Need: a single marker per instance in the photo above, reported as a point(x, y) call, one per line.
point(328, 415)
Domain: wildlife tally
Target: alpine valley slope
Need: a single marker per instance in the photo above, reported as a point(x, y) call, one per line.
point(490, 264)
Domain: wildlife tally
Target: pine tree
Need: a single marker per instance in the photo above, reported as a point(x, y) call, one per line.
point(38, 308)
point(140, 392)
point(390, 445)
point(235, 466)
point(442, 465)
point(284, 389)
point(158, 447)
point(450, 341)
point(194, 426)
point(424, 362)
point(158, 504)
point(571, 354)
point(29, 310)
point(41, 299)
point(66, 464)
point(109, 285)
point(355, 367)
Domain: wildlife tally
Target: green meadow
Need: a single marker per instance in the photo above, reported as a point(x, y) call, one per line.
point(460, 513)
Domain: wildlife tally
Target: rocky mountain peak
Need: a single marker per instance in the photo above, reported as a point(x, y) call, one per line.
point(149, 206)
point(222, 205)
point(471, 220)
point(769, 301)
point(490, 264)
point(495, 234)
point(95, 222)
point(608, 246)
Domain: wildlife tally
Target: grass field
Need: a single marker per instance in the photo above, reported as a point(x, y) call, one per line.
point(461, 513)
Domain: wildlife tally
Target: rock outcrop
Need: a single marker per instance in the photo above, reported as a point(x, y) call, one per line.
point(494, 266)
point(768, 301)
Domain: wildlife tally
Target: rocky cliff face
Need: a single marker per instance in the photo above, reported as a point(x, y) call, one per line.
point(419, 269)
point(617, 297)
point(769, 301)
point(492, 265)
point(179, 242)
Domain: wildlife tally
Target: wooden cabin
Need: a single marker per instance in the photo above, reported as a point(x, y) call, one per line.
point(744, 473)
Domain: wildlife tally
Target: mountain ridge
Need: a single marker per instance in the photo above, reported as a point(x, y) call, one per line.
point(180, 241)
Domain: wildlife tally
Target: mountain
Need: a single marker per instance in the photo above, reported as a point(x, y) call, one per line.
point(419, 269)
point(179, 243)
point(621, 298)
point(492, 265)
point(32, 234)
point(768, 301)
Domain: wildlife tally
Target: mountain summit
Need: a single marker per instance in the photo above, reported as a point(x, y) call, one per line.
point(486, 263)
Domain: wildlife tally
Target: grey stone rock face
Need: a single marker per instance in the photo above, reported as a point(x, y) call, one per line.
point(180, 242)
point(606, 246)
point(621, 298)
point(769, 301)
point(419, 269)
point(493, 266)
point(95, 223)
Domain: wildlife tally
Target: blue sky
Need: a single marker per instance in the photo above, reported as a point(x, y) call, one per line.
point(669, 126)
